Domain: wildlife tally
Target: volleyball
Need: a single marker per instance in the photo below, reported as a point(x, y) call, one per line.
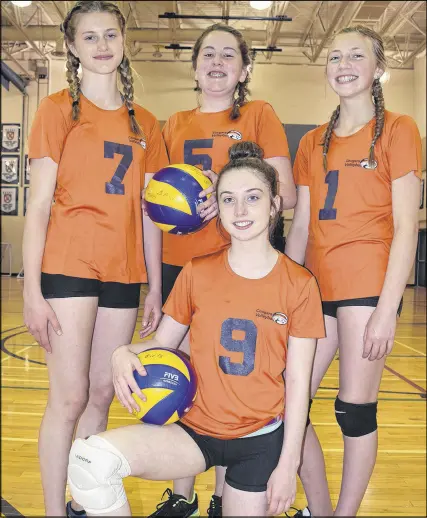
point(172, 198)
point(170, 386)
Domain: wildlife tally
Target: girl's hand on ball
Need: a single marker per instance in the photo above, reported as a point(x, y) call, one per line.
point(123, 363)
point(209, 209)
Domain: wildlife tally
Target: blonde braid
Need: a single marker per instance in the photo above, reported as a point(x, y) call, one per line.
point(327, 137)
point(74, 82)
point(127, 82)
point(377, 93)
point(241, 99)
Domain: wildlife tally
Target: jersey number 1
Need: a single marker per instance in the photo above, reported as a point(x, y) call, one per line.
point(328, 212)
point(115, 186)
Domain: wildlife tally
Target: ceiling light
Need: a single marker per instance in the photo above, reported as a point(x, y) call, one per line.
point(260, 5)
point(22, 3)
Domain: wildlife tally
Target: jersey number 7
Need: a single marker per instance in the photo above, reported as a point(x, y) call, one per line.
point(115, 185)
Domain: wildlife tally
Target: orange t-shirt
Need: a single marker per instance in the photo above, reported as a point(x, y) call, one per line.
point(95, 228)
point(351, 222)
point(203, 140)
point(238, 338)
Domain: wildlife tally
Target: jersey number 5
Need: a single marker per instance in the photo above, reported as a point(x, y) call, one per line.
point(115, 186)
point(328, 212)
point(246, 346)
point(198, 159)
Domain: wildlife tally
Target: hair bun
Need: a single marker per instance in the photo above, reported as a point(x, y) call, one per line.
point(245, 150)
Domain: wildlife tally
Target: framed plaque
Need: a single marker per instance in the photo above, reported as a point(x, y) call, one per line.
point(10, 137)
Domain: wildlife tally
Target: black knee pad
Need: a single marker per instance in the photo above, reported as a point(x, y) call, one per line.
point(356, 419)
point(310, 402)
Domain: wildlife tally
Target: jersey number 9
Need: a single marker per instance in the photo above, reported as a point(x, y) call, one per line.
point(246, 346)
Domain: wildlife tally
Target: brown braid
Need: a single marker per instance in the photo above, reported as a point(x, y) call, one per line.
point(377, 93)
point(241, 88)
point(74, 82)
point(127, 82)
point(68, 27)
point(328, 135)
point(240, 100)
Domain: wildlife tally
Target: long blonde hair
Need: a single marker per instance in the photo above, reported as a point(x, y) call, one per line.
point(377, 94)
point(68, 27)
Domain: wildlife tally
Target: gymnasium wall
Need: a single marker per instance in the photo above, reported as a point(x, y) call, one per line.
point(420, 117)
point(420, 94)
point(20, 109)
point(299, 94)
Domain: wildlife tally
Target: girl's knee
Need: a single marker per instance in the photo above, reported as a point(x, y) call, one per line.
point(70, 404)
point(101, 396)
point(95, 474)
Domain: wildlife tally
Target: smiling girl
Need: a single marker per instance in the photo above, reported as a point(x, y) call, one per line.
point(90, 148)
point(239, 349)
point(202, 137)
point(355, 227)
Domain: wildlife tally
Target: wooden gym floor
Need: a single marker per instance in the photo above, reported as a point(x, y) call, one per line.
point(398, 485)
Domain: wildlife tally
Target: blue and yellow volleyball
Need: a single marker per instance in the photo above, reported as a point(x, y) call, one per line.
point(172, 198)
point(170, 386)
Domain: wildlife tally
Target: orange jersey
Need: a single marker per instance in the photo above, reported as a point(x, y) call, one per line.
point(203, 140)
point(238, 338)
point(351, 222)
point(95, 228)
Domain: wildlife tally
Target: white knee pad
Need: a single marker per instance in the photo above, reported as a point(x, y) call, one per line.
point(95, 475)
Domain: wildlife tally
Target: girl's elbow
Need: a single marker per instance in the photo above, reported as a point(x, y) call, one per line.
point(289, 200)
point(408, 228)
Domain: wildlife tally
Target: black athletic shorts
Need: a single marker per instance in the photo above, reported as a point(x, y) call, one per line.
point(250, 461)
point(110, 294)
point(330, 308)
point(169, 275)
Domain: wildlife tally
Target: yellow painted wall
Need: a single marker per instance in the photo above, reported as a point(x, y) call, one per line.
point(299, 94)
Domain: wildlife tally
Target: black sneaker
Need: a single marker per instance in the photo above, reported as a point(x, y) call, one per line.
point(177, 505)
point(215, 506)
point(71, 512)
point(300, 513)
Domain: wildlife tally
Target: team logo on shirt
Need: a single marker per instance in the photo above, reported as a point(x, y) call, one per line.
point(360, 163)
point(141, 141)
point(365, 164)
point(233, 134)
point(280, 318)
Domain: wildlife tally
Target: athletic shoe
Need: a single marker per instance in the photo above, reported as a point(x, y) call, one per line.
point(300, 513)
point(71, 512)
point(215, 507)
point(177, 505)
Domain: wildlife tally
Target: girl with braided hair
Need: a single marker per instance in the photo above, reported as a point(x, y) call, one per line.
point(86, 255)
point(202, 137)
point(355, 227)
point(261, 314)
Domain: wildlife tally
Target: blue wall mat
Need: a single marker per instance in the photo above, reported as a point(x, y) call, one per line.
point(294, 133)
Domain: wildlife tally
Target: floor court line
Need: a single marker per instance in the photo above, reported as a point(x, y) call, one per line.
point(24, 349)
point(404, 378)
point(409, 347)
point(410, 337)
point(129, 418)
point(384, 378)
point(23, 380)
point(329, 450)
